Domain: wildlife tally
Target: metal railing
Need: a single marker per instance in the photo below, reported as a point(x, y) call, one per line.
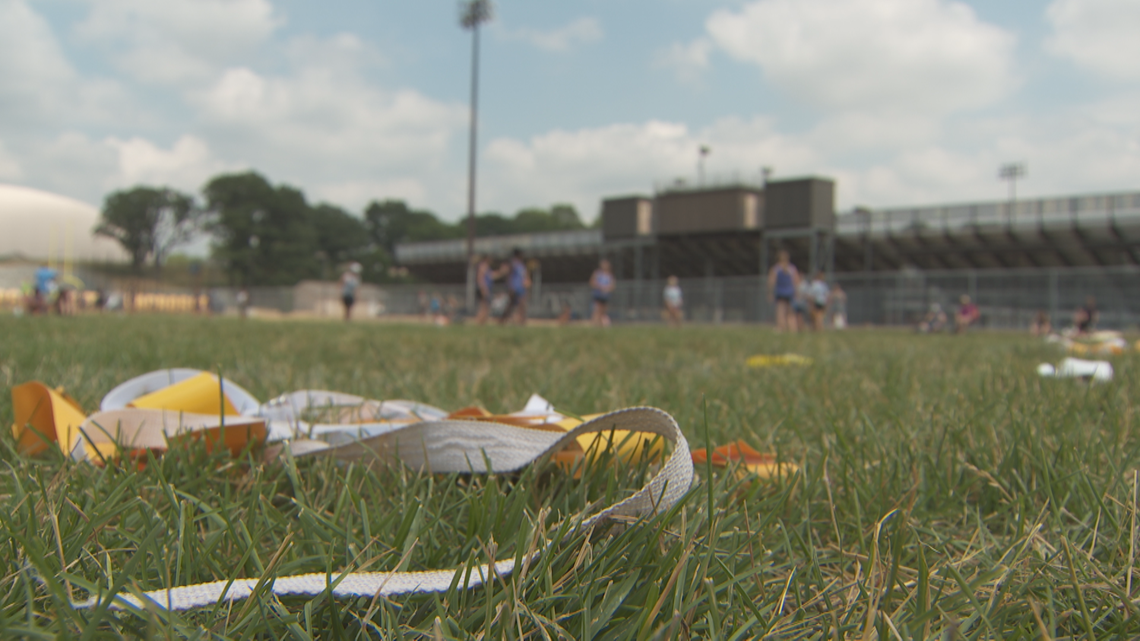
point(1084, 209)
point(580, 240)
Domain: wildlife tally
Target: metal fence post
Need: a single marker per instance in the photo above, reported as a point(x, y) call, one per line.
point(1053, 302)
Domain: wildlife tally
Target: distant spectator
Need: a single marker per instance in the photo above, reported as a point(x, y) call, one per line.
point(818, 294)
point(1086, 316)
point(46, 290)
point(518, 284)
point(800, 305)
point(567, 313)
point(349, 281)
point(65, 304)
point(782, 282)
point(437, 314)
point(484, 287)
point(243, 302)
point(1040, 326)
point(934, 321)
point(838, 305)
point(674, 302)
point(968, 314)
point(452, 308)
point(601, 288)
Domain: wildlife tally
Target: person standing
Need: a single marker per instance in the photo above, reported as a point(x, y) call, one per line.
point(484, 286)
point(349, 281)
point(783, 280)
point(1086, 317)
point(818, 294)
point(602, 286)
point(838, 306)
point(968, 314)
point(674, 302)
point(518, 282)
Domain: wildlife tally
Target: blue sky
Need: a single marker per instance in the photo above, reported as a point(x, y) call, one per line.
point(901, 101)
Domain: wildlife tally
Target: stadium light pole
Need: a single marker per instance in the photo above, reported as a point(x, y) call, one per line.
point(1011, 172)
point(703, 152)
point(472, 13)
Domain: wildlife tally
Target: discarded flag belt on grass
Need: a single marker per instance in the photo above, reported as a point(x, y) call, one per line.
point(151, 411)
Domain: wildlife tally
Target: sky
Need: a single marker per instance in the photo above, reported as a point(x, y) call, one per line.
point(902, 102)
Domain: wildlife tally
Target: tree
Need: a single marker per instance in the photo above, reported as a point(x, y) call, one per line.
point(391, 222)
point(148, 222)
point(342, 237)
point(265, 234)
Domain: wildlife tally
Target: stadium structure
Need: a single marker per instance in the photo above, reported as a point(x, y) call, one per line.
point(40, 228)
point(1014, 257)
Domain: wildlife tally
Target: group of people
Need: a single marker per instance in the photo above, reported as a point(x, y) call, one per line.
point(936, 320)
point(803, 303)
point(968, 314)
point(48, 293)
point(518, 282)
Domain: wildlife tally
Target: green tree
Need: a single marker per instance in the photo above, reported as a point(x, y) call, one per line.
point(342, 237)
point(392, 222)
point(265, 234)
point(148, 222)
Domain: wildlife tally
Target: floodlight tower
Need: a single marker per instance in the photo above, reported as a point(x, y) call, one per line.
point(472, 13)
point(702, 153)
point(1011, 172)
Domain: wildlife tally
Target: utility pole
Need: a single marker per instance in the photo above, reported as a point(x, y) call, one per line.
point(472, 14)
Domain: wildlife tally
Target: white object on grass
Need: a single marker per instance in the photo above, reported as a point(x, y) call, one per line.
point(451, 446)
point(1097, 371)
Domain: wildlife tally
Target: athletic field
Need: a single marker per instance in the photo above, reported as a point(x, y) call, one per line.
point(944, 489)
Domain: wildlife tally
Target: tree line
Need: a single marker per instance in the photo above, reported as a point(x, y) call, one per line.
point(265, 234)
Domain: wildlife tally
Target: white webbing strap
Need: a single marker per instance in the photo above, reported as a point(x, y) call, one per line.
point(451, 446)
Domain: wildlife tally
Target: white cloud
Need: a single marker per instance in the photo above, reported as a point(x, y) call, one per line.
point(318, 115)
point(38, 83)
point(1100, 35)
point(932, 56)
point(687, 60)
point(324, 125)
point(176, 41)
point(186, 165)
point(580, 31)
point(586, 165)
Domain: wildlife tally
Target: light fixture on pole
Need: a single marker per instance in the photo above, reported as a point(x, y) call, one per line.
point(703, 151)
point(1011, 172)
point(472, 13)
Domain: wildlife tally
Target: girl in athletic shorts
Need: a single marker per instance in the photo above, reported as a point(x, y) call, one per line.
point(602, 285)
point(783, 279)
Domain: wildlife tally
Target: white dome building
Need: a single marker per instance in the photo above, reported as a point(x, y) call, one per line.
point(40, 226)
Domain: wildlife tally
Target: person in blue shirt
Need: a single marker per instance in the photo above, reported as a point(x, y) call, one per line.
point(783, 279)
point(349, 281)
point(518, 283)
point(47, 288)
point(602, 286)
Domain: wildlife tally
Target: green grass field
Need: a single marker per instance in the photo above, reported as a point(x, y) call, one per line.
point(945, 489)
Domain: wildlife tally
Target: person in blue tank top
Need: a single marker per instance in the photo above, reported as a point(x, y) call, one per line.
point(518, 282)
point(783, 279)
point(602, 285)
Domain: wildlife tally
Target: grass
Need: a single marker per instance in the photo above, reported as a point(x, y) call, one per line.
point(945, 489)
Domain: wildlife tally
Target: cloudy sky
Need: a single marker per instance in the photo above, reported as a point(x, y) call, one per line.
point(901, 101)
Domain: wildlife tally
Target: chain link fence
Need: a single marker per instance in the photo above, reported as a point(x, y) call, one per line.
point(1008, 299)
